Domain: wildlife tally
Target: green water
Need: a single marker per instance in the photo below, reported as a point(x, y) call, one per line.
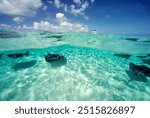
point(92, 71)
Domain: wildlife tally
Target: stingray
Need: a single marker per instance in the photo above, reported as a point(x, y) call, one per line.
point(146, 61)
point(45, 32)
point(127, 56)
point(138, 72)
point(132, 39)
point(55, 60)
point(54, 36)
point(53, 57)
point(9, 34)
point(18, 55)
point(57, 36)
point(1, 54)
point(137, 77)
point(146, 41)
point(24, 65)
point(137, 69)
point(60, 40)
point(59, 63)
point(142, 56)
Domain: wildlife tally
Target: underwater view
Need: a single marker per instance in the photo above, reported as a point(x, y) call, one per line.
point(74, 50)
point(70, 66)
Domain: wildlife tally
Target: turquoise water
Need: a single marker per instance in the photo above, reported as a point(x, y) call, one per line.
point(93, 71)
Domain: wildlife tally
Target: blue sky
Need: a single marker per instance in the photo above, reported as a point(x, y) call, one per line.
point(106, 16)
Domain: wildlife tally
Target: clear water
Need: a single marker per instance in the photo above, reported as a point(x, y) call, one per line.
point(92, 71)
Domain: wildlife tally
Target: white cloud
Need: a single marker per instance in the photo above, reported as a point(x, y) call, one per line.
point(27, 27)
point(63, 26)
point(80, 28)
point(77, 8)
point(66, 25)
point(61, 17)
point(65, 8)
point(5, 26)
point(50, 2)
point(77, 2)
point(92, 1)
point(18, 19)
point(76, 11)
point(20, 7)
point(73, 27)
point(44, 8)
point(43, 25)
point(58, 3)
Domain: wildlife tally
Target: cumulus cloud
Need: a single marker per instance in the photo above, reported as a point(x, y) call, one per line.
point(77, 8)
point(73, 27)
point(19, 7)
point(18, 19)
point(58, 3)
point(5, 26)
point(43, 25)
point(76, 11)
point(77, 1)
point(63, 26)
point(80, 7)
point(61, 17)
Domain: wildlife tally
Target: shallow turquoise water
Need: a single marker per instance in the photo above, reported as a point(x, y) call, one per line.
point(91, 73)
